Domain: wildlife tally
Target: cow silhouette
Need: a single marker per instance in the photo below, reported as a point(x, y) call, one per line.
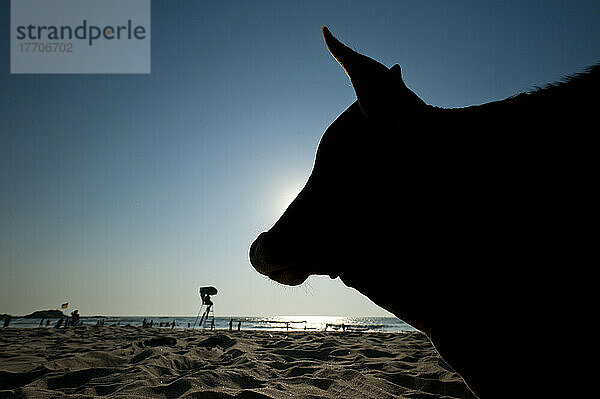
point(462, 222)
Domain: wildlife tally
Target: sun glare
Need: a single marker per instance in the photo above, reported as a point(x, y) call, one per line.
point(287, 196)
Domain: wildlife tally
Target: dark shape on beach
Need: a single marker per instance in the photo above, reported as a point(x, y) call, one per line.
point(45, 314)
point(455, 220)
point(160, 341)
point(220, 340)
point(11, 380)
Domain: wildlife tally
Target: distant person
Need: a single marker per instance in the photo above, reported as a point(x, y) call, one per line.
point(74, 317)
point(59, 322)
point(207, 301)
point(173, 325)
point(47, 322)
point(239, 325)
point(41, 322)
point(230, 324)
point(144, 322)
point(7, 320)
point(189, 325)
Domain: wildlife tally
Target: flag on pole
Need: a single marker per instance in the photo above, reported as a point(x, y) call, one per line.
point(64, 305)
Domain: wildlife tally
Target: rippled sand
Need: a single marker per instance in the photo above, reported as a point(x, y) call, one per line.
point(138, 362)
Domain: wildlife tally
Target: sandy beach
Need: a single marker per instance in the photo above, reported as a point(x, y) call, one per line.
point(134, 362)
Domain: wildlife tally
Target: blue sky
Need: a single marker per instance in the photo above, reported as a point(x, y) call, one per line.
point(124, 193)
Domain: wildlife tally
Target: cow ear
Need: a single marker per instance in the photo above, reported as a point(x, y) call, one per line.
point(379, 90)
point(397, 84)
point(369, 78)
point(357, 66)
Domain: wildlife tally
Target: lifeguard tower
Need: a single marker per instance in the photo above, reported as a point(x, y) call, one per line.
point(207, 308)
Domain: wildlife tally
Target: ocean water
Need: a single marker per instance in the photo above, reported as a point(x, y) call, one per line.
point(274, 323)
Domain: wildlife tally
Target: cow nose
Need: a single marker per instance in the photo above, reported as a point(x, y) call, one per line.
point(255, 245)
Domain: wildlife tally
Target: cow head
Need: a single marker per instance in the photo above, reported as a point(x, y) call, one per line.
point(344, 221)
point(444, 217)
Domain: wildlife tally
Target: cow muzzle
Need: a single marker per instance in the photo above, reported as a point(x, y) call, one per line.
point(270, 258)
